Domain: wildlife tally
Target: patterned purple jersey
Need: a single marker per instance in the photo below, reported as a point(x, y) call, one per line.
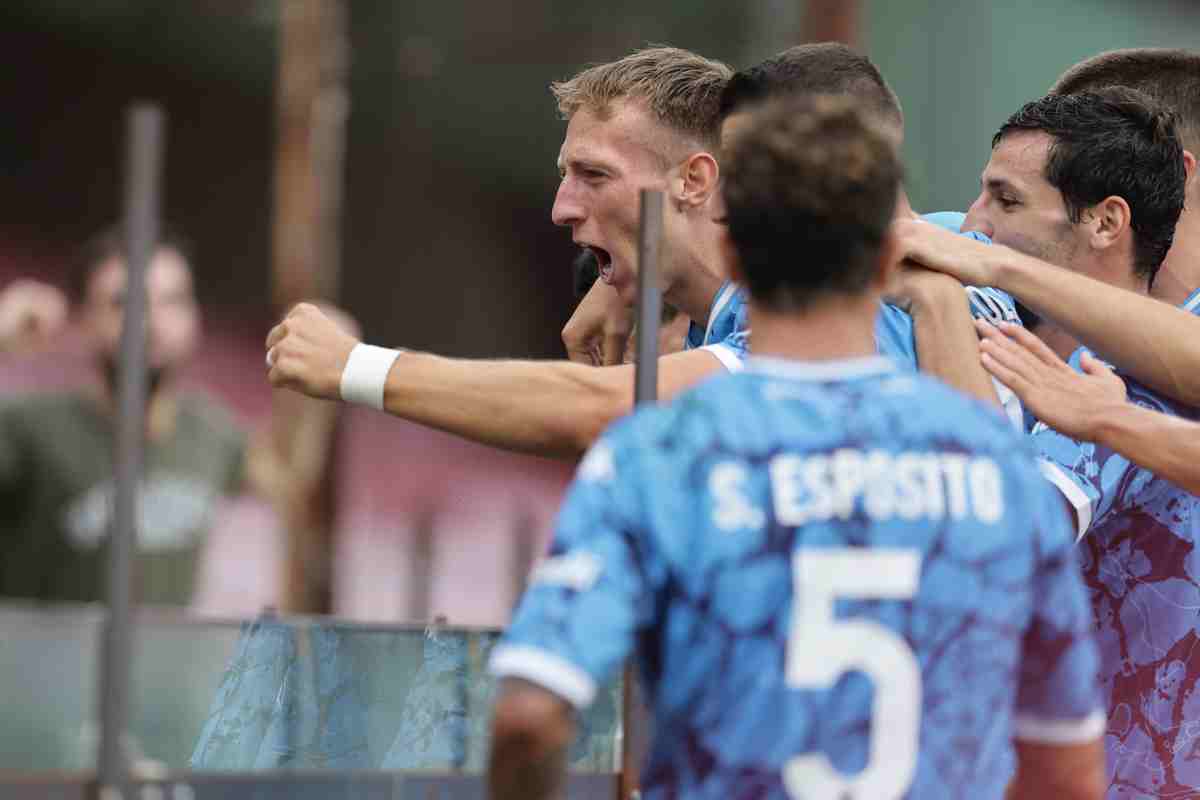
point(1142, 570)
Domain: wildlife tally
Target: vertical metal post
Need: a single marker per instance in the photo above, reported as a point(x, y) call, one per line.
point(649, 314)
point(144, 160)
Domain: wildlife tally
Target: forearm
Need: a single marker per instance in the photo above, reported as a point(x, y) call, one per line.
point(522, 769)
point(1154, 342)
point(1058, 772)
point(1167, 446)
point(553, 408)
point(947, 344)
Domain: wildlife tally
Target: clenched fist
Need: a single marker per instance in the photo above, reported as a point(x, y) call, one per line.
point(308, 350)
point(31, 313)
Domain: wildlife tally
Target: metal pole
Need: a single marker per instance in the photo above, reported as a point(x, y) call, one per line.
point(650, 227)
point(144, 160)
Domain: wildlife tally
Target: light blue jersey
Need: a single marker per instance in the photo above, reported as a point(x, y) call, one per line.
point(839, 579)
point(894, 335)
point(1142, 570)
point(727, 332)
point(1192, 304)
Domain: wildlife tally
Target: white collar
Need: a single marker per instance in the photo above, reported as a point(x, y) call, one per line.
point(837, 369)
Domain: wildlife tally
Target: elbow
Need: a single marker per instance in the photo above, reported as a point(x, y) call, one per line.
point(607, 407)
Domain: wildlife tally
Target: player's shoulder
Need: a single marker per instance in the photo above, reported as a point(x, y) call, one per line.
point(937, 406)
point(692, 418)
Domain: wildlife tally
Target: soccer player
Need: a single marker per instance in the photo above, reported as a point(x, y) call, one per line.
point(840, 579)
point(910, 328)
point(1094, 182)
point(1157, 345)
point(649, 120)
point(924, 309)
point(56, 448)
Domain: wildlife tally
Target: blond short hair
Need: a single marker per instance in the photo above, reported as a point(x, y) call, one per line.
point(681, 89)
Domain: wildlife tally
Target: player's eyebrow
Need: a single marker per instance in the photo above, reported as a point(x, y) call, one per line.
point(997, 185)
point(577, 163)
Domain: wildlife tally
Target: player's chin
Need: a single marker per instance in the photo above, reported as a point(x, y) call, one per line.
point(627, 289)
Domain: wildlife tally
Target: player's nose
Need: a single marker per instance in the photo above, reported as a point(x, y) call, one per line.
point(568, 210)
point(978, 220)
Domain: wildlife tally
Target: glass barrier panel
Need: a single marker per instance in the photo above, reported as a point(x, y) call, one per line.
point(277, 693)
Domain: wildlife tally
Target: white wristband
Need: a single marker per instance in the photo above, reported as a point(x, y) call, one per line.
point(366, 373)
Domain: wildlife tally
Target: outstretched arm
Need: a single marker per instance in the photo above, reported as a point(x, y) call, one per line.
point(553, 408)
point(1092, 406)
point(1152, 341)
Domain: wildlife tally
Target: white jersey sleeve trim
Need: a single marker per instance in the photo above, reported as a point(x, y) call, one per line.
point(1060, 731)
point(546, 670)
point(725, 354)
point(1011, 404)
point(1070, 490)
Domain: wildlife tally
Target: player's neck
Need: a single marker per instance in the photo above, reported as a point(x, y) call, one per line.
point(698, 277)
point(1180, 272)
point(904, 209)
point(833, 329)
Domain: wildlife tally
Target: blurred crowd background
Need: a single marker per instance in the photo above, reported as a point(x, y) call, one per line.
point(447, 173)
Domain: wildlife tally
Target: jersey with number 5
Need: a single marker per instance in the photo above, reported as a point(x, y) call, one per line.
point(839, 581)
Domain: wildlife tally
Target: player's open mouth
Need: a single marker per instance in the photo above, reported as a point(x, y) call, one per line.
point(604, 262)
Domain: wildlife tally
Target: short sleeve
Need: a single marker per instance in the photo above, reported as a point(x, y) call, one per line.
point(1095, 480)
point(1058, 698)
point(586, 602)
point(732, 351)
point(894, 335)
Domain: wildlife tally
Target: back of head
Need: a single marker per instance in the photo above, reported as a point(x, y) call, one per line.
point(1169, 76)
point(1113, 142)
point(810, 189)
point(681, 89)
point(824, 68)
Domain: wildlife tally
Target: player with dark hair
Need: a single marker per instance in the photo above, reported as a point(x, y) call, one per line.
point(924, 308)
point(1094, 183)
point(839, 579)
point(649, 120)
point(1153, 343)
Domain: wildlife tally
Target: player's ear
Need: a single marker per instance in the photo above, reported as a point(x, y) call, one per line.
point(1109, 220)
point(699, 177)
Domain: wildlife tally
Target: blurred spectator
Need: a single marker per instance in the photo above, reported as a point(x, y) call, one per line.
point(57, 449)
